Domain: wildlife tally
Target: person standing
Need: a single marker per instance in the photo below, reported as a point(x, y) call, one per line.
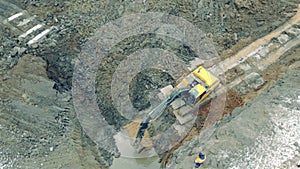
point(200, 160)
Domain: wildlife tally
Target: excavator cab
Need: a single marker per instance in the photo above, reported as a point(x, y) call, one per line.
point(197, 93)
point(201, 82)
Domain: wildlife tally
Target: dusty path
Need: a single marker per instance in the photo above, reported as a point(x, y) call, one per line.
point(258, 44)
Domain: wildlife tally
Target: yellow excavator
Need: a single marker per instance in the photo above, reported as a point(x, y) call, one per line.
point(200, 84)
point(193, 89)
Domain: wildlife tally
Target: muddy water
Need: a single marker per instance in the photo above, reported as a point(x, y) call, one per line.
point(130, 158)
point(136, 163)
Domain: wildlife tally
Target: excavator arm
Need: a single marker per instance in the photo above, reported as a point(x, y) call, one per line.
point(157, 112)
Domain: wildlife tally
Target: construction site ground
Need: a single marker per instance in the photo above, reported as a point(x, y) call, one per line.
point(258, 43)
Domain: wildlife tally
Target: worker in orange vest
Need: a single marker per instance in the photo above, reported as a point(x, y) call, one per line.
point(200, 160)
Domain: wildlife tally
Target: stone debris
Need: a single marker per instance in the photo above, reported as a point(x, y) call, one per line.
point(167, 90)
point(183, 111)
point(264, 51)
point(184, 119)
point(254, 80)
point(283, 38)
point(293, 31)
point(177, 103)
point(245, 67)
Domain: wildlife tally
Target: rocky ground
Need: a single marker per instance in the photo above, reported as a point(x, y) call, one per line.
point(38, 124)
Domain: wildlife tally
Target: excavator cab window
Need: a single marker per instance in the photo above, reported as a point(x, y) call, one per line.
point(194, 83)
point(191, 97)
